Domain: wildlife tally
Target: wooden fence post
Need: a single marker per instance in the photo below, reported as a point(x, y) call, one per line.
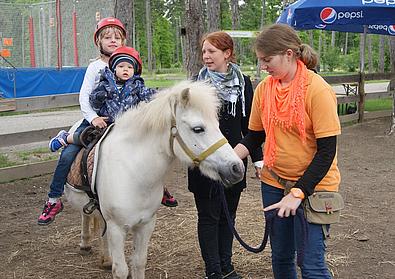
point(361, 93)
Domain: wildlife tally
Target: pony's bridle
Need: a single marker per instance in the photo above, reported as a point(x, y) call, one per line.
point(196, 159)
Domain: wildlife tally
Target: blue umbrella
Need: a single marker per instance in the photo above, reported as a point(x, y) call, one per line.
point(358, 16)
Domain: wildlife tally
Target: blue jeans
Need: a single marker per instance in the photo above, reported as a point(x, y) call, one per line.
point(64, 164)
point(285, 235)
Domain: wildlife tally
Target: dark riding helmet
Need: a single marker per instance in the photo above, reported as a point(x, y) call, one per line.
point(129, 54)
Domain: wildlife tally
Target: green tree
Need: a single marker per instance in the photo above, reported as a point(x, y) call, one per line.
point(163, 43)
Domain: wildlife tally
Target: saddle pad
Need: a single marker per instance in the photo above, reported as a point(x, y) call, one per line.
point(75, 176)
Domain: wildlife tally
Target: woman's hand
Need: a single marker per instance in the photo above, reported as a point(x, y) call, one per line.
point(286, 207)
point(258, 165)
point(241, 151)
point(100, 122)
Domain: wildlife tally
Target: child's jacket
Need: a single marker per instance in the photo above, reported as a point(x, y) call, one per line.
point(110, 99)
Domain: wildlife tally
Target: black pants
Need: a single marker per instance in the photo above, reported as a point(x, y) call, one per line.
point(215, 238)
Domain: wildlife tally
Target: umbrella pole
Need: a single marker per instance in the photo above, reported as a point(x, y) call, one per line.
point(361, 85)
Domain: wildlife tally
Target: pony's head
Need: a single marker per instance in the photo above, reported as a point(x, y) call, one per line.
point(186, 115)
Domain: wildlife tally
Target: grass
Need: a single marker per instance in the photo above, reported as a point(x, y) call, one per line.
point(4, 161)
point(378, 104)
point(160, 83)
point(30, 156)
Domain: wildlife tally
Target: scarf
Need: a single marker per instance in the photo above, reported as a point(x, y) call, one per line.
point(284, 108)
point(229, 85)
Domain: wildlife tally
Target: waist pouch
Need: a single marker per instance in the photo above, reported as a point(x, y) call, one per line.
point(323, 207)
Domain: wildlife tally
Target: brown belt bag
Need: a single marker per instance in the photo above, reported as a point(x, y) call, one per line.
point(323, 207)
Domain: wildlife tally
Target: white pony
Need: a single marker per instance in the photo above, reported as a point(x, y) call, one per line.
point(180, 122)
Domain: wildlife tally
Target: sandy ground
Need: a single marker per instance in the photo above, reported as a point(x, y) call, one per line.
point(362, 244)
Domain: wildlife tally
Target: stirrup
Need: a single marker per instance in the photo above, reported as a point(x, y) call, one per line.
point(91, 206)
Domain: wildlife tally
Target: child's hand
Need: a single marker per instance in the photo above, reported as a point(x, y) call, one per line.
point(100, 122)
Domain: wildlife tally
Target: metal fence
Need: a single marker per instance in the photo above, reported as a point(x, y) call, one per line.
point(29, 32)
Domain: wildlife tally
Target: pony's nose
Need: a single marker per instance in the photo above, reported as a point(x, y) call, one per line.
point(238, 168)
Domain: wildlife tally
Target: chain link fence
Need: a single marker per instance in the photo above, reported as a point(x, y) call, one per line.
point(29, 32)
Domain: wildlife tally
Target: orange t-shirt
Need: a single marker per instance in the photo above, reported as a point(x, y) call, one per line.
point(292, 155)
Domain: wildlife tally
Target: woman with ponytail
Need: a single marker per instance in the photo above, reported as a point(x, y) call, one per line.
point(294, 112)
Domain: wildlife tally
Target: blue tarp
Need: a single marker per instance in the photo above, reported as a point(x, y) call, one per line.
point(32, 82)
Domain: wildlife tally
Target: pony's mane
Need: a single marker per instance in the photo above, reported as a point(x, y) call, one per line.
point(156, 114)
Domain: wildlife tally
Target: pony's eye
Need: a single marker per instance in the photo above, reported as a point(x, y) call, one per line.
point(198, 130)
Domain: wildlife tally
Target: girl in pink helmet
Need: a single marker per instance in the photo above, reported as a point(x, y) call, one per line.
point(110, 34)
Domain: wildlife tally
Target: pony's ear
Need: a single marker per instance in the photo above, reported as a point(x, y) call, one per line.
point(185, 96)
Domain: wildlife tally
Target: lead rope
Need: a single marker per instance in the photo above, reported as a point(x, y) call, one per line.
point(269, 221)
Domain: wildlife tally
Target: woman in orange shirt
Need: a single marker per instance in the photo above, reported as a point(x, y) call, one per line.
point(294, 112)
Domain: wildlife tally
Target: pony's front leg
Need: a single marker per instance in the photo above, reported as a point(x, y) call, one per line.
point(86, 237)
point(141, 236)
point(116, 237)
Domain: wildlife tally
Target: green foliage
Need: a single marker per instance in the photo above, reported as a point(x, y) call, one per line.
point(331, 59)
point(350, 62)
point(163, 42)
point(226, 16)
point(273, 10)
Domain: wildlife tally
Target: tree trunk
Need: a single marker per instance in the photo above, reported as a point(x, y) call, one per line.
point(193, 31)
point(236, 22)
point(333, 39)
point(263, 21)
point(370, 59)
point(124, 11)
point(263, 16)
point(346, 45)
point(213, 15)
point(311, 38)
point(149, 34)
point(381, 53)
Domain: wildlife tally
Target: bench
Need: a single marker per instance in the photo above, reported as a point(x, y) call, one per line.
point(351, 88)
point(348, 108)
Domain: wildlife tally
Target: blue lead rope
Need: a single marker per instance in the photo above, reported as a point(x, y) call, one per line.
point(269, 222)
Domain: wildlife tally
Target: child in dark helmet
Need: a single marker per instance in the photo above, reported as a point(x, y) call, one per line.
point(120, 86)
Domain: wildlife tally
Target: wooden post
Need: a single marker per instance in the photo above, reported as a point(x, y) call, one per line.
point(391, 87)
point(361, 94)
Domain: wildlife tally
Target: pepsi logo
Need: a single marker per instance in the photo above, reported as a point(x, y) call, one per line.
point(320, 26)
point(328, 15)
point(391, 29)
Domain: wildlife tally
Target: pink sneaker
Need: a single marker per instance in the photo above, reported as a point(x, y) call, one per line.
point(168, 199)
point(49, 212)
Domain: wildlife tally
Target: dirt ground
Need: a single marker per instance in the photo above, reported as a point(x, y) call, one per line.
point(361, 246)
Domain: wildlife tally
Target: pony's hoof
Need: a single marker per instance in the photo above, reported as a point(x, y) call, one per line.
point(106, 264)
point(86, 250)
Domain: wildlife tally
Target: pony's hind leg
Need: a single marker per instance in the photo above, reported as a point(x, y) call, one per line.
point(105, 258)
point(141, 236)
point(116, 237)
point(86, 236)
